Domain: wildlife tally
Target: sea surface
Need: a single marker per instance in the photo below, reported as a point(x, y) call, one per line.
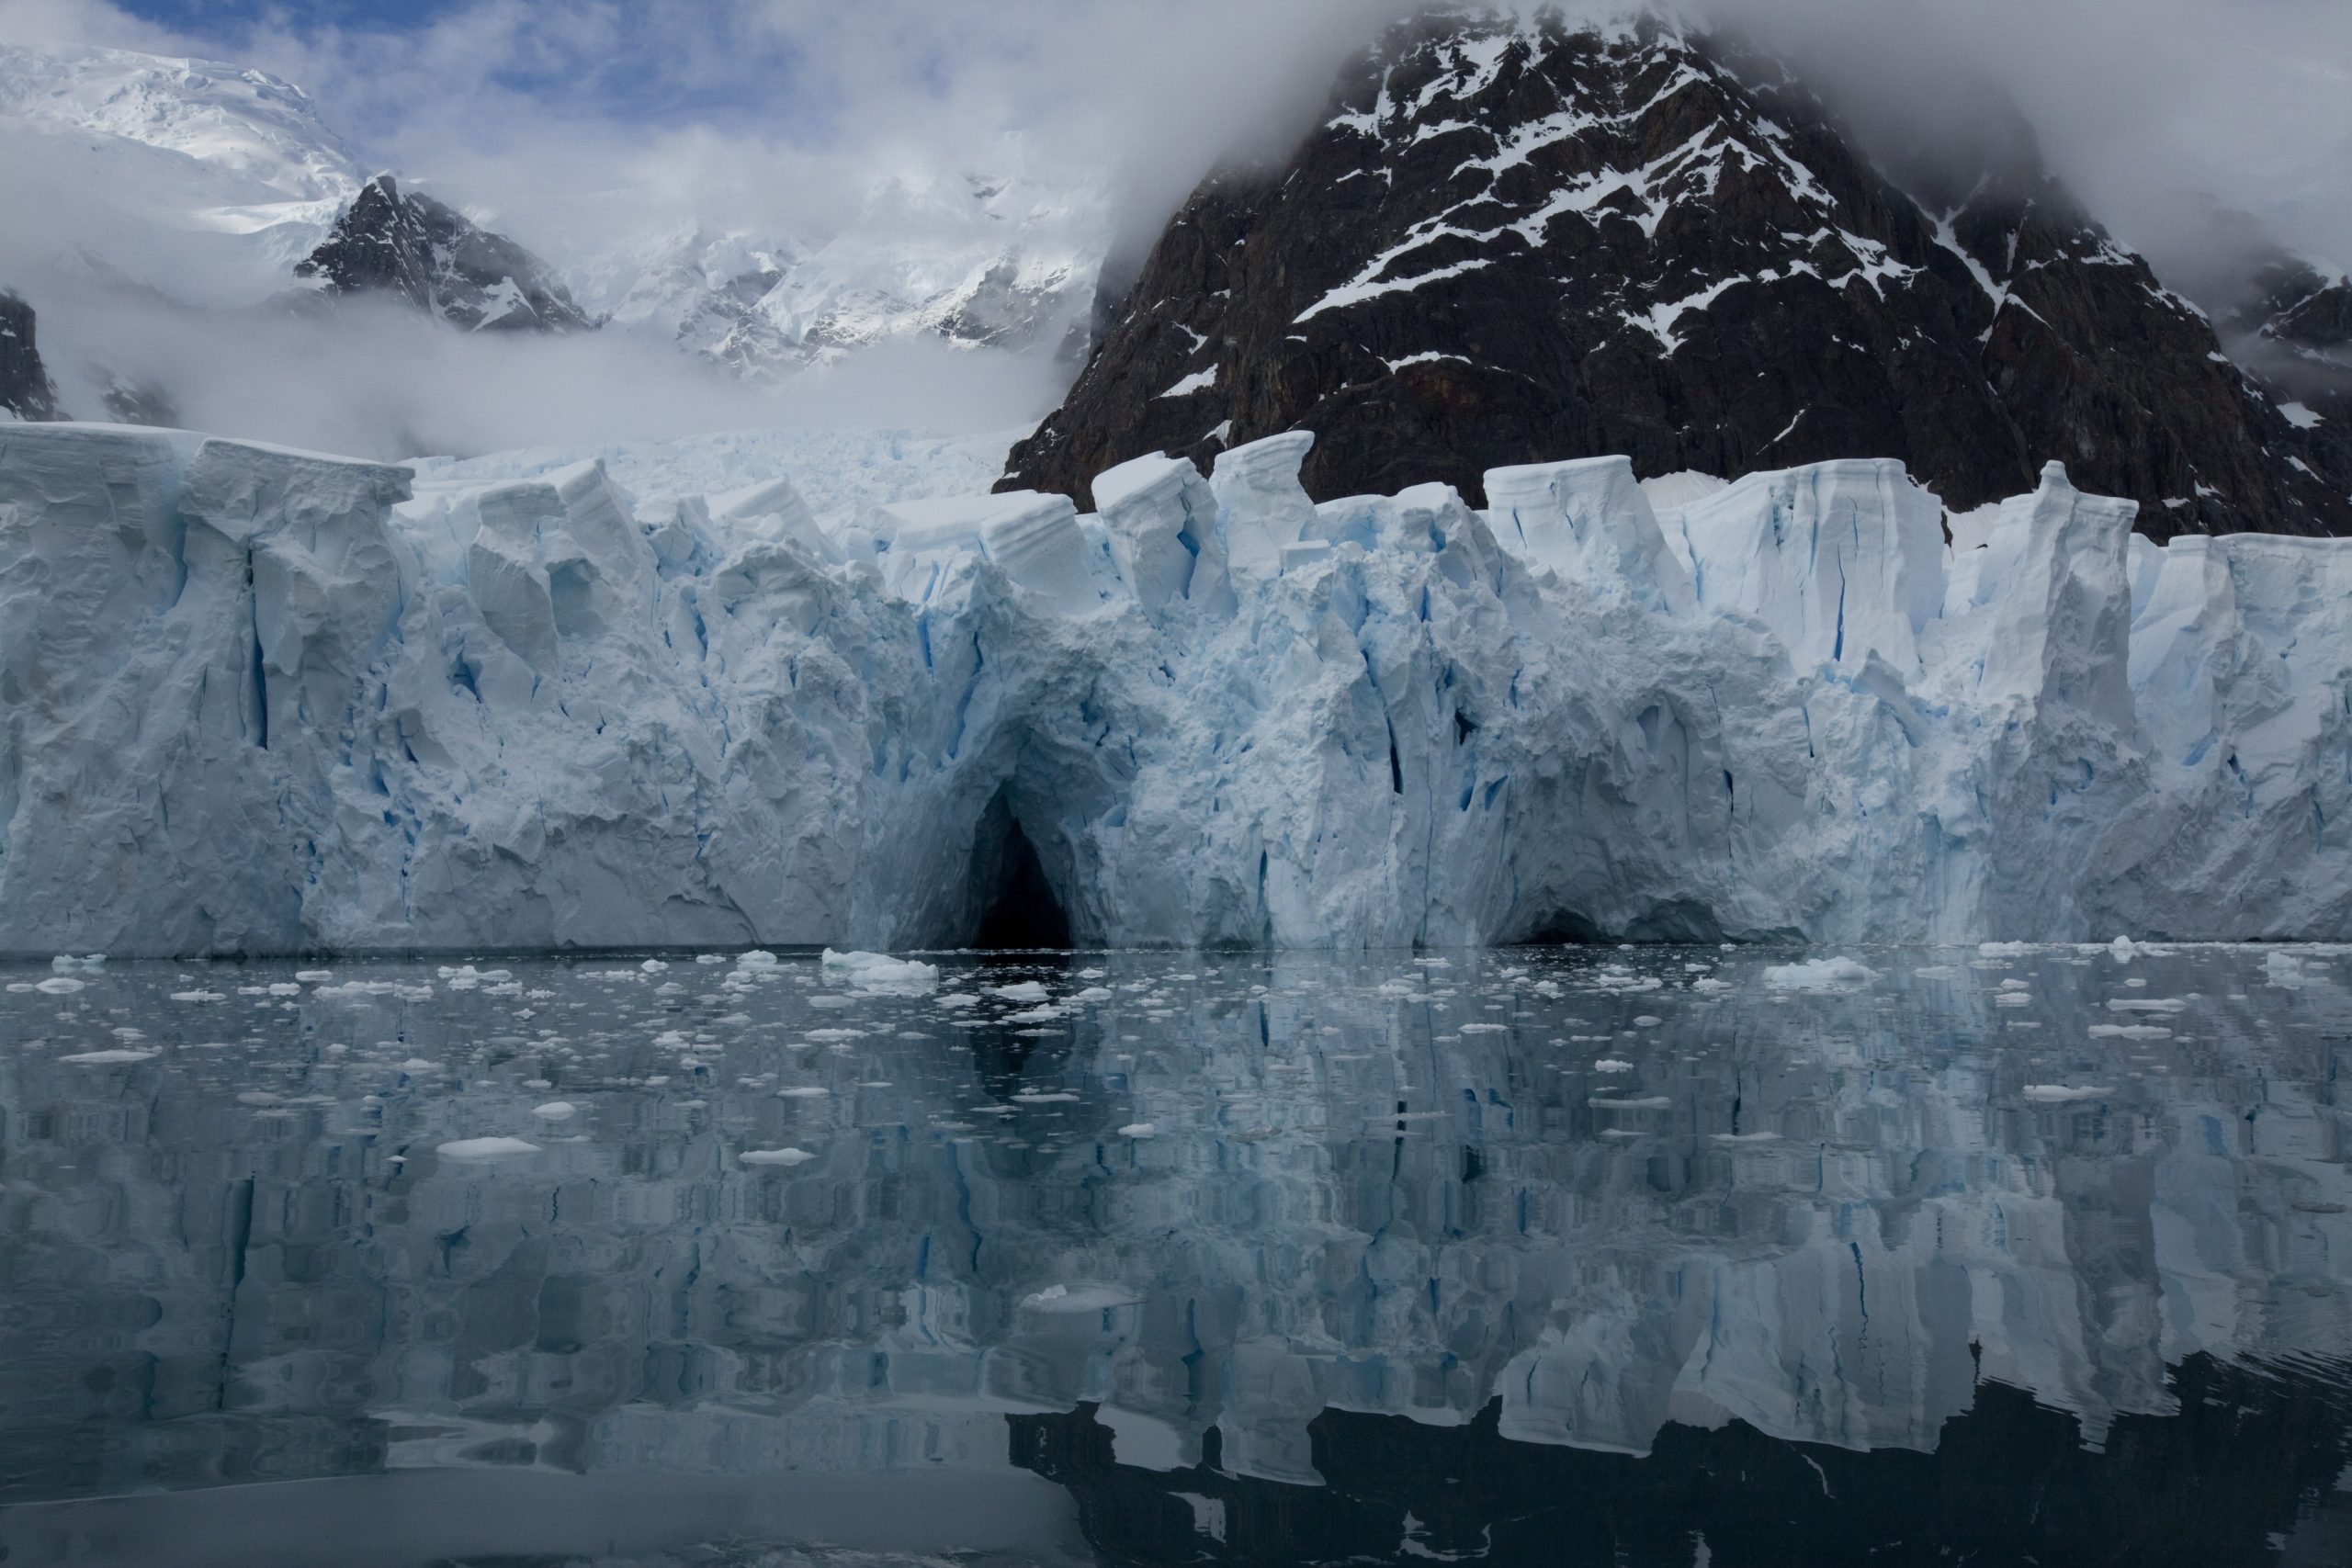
point(1645, 1256)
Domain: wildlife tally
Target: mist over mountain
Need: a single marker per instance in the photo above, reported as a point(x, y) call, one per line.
point(904, 207)
point(1515, 240)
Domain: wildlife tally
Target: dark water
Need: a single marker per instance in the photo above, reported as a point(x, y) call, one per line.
point(1592, 1257)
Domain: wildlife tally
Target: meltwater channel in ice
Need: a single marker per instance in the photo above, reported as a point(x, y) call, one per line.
point(2043, 1253)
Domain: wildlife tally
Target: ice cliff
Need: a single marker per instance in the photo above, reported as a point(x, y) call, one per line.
point(255, 700)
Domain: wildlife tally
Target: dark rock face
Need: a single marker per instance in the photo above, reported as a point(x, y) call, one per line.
point(25, 388)
point(438, 260)
point(1519, 241)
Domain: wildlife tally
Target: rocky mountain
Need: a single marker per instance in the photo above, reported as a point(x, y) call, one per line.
point(26, 391)
point(416, 249)
point(1518, 240)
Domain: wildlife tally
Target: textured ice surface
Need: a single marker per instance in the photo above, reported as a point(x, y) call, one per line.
point(262, 701)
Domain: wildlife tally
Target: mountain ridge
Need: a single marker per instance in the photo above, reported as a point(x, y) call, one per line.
point(1513, 240)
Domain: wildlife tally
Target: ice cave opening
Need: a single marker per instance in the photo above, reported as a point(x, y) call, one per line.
point(1016, 900)
point(1675, 920)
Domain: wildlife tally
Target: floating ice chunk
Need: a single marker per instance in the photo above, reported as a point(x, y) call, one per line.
point(2122, 947)
point(2146, 1004)
point(653, 966)
point(776, 1157)
point(1080, 1298)
point(487, 1148)
point(1138, 1130)
point(96, 1058)
point(58, 986)
point(555, 1111)
point(758, 958)
point(2283, 969)
point(314, 976)
point(1644, 1102)
point(1021, 992)
point(880, 972)
point(1819, 974)
point(66, 963)
point(2054, 1094)
point(1612, 1064)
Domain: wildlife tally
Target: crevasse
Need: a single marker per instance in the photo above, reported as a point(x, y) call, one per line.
point(259, 701)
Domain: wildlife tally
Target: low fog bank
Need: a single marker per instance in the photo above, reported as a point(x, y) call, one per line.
point(374, 379)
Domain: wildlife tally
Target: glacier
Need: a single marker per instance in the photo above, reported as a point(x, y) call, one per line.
point(259, 701)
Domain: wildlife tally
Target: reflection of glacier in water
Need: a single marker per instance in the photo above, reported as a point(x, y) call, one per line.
point(1261, 1258)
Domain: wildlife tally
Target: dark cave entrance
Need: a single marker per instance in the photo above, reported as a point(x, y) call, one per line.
point(1016, 902)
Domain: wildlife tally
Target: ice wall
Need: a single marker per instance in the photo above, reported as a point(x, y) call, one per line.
point(254, 700)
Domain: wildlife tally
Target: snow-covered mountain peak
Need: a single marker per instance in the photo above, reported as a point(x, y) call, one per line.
point(970, 259)
point(229, 119)
point(201, 181)
point(1517, 237)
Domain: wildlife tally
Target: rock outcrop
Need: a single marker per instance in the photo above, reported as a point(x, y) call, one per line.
point(1517, 240)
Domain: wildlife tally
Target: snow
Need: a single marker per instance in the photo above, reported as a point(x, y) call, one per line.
point(1369, 285)
point(276, 702)
point(1198, 381)
point(2300, 417)
point(204, 180)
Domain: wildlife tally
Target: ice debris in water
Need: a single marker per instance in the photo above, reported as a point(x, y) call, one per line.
point(1080, 1298)
point(880, 972)
point(398, 708)
point(486, 1148)
point(1819, 974)
point(2054, 1094)
point(67, 963)
point(774, 1156)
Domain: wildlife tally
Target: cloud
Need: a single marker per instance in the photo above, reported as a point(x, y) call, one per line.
point(569, 125)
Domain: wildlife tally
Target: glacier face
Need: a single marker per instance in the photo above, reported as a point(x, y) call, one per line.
point(261, 701)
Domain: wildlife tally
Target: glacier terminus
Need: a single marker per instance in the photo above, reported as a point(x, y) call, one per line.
point(258, 701)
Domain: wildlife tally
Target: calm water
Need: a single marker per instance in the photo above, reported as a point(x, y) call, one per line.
point(1584, 1257)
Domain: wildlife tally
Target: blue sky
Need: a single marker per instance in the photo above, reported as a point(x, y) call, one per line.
point(647, 61)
